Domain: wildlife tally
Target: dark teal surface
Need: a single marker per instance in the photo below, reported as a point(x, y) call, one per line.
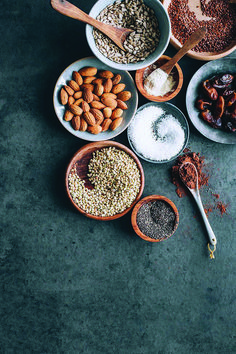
point(75, 285)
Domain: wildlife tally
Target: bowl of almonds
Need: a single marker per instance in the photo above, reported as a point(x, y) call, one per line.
point(93, 101)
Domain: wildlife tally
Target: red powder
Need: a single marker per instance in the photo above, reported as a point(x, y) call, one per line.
point(198, 162)
point(221, 207)
point(207, 211)
point(203, 178)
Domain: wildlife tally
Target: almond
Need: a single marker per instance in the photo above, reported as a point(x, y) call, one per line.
point(109, 102)
point(88, 86)
point(116, 113)
point(95, 129)
point(63, 96)
point(78, 102)
point(118, 88)
point(78, 94)
point(124, 95)
point(106, 74)
point(85, 106)
point(77, 77)
point(75, 122)
point(88, 95)
point(97, 104)
point(106, 124)
point(89, 79)
point(89, 118)
point(98, 81)
point(107, 112)
point(76, 109)
point(83, 125)
point(97, 115)
point(116, 79)
point(88, 71)
point(116, 123)
point(107, 85)
point(98, 89)
point(71, 100)
point(96, 98)
point(68, 115)
point(109, 95)
point(69, 90)
point(121, 104)
point(73, 84)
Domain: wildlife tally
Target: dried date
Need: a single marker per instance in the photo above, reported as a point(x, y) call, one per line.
point(217, 101)
point(210, 91)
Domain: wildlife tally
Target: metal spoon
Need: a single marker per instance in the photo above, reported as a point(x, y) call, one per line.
point(195, 193)
point(117, 35)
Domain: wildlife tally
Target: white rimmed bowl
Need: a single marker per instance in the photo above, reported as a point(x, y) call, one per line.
point(127, 115)
point(177, 114)
point(164, 27)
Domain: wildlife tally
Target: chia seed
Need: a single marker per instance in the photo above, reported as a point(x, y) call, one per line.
point(156, 219)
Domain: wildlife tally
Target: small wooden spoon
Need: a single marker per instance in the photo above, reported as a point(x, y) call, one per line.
point(196, 195)
point(189, 44)
point(117, 35)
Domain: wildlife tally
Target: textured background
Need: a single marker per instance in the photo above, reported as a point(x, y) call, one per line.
point(74, 285)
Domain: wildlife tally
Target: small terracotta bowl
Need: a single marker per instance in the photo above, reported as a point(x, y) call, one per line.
point(148, 199)
point(82, 158)
point(177, 75)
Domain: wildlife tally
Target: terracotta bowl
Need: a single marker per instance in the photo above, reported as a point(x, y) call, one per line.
point(82, 158)
point(203, 55)
point(177, 75)
point(148, 199)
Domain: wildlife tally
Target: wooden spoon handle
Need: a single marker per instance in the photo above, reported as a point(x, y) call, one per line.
point(118, 35)
point(189, 44)
point(68, 9)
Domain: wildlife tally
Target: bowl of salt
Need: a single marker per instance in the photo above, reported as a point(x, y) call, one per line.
point(159, 132)
point(171, 84)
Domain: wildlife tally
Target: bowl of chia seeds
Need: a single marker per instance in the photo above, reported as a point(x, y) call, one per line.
point(150, 37)
point(155, 218)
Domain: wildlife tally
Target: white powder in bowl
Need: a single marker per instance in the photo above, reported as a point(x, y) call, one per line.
point(156, 134)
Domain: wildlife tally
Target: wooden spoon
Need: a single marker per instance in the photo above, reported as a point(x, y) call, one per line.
point(117, 35)
point(189, 44)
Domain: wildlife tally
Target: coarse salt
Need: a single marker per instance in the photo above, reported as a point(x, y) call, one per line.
point(156, 134)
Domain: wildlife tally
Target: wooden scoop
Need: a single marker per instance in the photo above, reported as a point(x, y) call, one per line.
point(117, 35)
point(189, 44)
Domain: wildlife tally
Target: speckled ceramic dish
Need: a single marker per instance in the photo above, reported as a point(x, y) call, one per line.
point(206, 71)
point(169, 109)
point(127, 115)
point(164, 27)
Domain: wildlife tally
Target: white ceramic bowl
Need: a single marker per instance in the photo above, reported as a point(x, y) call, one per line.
point(168, 108)
point(127, 115)
point(164, 27)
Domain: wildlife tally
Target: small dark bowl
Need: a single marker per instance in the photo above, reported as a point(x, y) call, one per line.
point(148, 199)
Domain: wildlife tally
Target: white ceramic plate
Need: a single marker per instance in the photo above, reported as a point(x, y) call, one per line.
point(226, 65)
point(128, 114)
